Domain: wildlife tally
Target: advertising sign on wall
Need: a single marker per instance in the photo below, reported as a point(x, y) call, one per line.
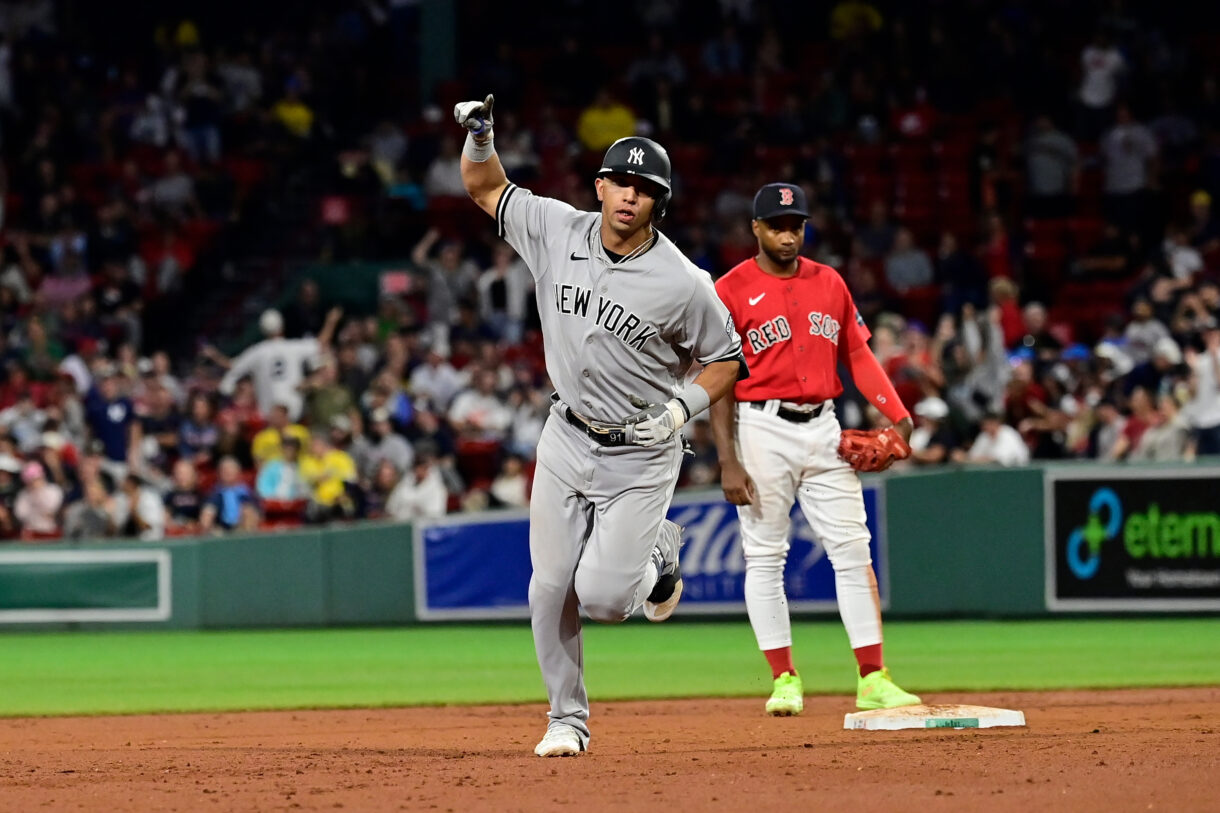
point(1133, 539)
point(477, 566)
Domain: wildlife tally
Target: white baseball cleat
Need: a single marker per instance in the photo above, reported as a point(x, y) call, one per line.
point(560, 741)
point(663, 599)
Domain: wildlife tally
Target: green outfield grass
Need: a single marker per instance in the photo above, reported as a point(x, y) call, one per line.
point(125, 672)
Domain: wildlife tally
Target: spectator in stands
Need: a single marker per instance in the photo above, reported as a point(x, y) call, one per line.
point(267, 443)
point(504, 292)
point(325, 398)
point(1168, 437)
point(138, 510)
point(328, 472)
point(603, 122)
point(111, 417)
point(479, 412)
point(158, 427)
point(530, 407)
point(198, 433)
point(1156, 374)
point(449, 278)
point(997, 442)
point(162, 373)
point(10, 468)
point(387, 147)
point(1182, 260)
point(995, 249)
point(1129, 152)
point(1037, 336)
point(1143, 332)
point(1204, 223)
point(243, 81)
point(118, 303)
point(173, 193)
point(38, 503)
point(183, 501)
point(421, 493)
point(231, 506)
point(232, 440)
point(701, 467)
point(291, 112)
point(197, 91)
point(1143, 416)
point(444, 176)
point(90, 517)
point(386, 444)
point(279, 477)
point(276, 365)
point(907, 266)
point(23, 420)
point(57, 456)
point(1204, 408)
point(510, 488)
point(1102, 66)
point(960, 276)
point(377, 495)
point(1052, 164)
point(933, 439)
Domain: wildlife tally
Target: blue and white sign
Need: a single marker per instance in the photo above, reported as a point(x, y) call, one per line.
point(477, 567)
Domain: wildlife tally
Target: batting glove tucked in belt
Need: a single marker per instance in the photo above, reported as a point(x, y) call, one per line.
point(654, 423)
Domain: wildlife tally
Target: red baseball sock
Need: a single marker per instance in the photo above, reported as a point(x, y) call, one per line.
point(869, 659)
point(780, 660)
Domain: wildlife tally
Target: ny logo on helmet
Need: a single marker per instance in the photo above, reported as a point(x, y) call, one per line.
point(785, 196)
point(636, 156)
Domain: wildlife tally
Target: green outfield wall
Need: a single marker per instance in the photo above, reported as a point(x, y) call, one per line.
point(966, 542)
point(959, 542)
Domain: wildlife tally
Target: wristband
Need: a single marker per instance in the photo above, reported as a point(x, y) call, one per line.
point(476, 151)
point(694, 399)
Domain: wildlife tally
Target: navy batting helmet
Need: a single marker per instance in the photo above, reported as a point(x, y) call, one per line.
point(635, 155)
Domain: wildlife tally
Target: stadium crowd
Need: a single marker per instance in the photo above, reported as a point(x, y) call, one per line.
point(1021, 199)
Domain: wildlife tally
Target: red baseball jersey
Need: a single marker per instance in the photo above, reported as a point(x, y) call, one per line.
point(794, 331)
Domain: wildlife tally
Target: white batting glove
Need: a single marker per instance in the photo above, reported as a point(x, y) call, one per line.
point(654, 423)
point(475, 116)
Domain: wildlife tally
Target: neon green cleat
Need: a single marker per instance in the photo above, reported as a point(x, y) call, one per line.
point(788, 697)
point(878, 690)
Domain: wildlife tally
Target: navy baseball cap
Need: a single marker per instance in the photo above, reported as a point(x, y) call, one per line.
point(779, 199)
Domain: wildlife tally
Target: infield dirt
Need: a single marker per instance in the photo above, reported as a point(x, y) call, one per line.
point(1082, 751)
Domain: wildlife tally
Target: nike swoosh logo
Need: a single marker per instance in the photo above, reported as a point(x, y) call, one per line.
point(754, 300)
point(574, 257)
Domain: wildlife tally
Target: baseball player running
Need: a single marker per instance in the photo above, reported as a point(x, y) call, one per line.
point(797, 322)
point(624, 315)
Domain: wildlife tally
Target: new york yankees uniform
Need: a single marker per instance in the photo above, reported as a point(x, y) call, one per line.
point(277, 367)
point(612, 328)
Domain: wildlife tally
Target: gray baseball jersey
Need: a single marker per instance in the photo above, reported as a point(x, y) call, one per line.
point(612, 330)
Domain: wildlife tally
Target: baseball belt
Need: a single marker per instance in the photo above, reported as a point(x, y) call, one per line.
point(789, 414)
point(604, 434)
point(601, 433)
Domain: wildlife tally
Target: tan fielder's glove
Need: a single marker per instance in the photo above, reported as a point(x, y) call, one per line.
point(874, 450)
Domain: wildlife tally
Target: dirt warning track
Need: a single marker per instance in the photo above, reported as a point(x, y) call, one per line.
point(1091, 751)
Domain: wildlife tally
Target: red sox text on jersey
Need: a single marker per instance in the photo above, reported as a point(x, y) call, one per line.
point(777, 330)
